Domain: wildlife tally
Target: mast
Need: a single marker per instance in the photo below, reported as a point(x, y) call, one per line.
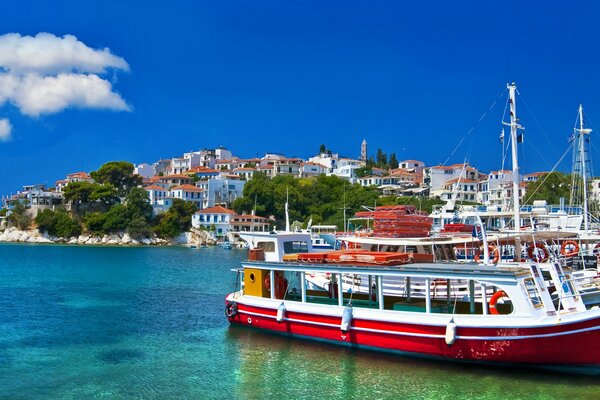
point(582, 131)
point(514, 139)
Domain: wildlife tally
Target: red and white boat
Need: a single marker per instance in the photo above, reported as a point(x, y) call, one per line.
point(519, 324)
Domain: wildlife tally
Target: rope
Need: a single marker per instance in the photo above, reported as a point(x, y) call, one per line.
point(474, 126)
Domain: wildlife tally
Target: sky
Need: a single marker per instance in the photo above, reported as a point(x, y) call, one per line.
point(83, 83)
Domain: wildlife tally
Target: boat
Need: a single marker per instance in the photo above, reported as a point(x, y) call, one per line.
point(319, 243)
point(227, 245)
point(504, 316)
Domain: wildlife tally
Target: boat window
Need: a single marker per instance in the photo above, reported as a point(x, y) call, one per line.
point(411, 249)
point(532, 292)
point(268, 247)
point(295, 247)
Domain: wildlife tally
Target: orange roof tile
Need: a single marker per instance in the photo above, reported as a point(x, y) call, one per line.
point(216, 210)
point(188, 188)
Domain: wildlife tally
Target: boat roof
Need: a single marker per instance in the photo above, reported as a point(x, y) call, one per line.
point(507, 272)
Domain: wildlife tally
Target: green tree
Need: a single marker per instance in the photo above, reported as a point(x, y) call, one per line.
point(78, 193)
point(19, 217)
point(138, 204)
point(363, 171)
point(94, 222)
point(322, 149)
point(57, 223)
point(550, 187)
point(393, 162)
point(105, 194)
point(116, 219)
point(168, 225)
point(138, 228)
point(184, 211)
point(66, 226)
point(119, 174)
point(381, 159)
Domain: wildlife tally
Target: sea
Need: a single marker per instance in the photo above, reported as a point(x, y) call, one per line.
point(94, 322)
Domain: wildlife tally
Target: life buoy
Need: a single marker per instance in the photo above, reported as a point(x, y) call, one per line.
point(495, 252)
point(596, 250)
point(569, 248)
point(534, 252)
point(494, 300)
point(231, 309)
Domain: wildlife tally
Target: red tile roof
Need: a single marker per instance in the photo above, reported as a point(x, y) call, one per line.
point(188, 188)
point(216, 210)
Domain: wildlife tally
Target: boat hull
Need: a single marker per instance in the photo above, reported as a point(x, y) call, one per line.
point(569, 346)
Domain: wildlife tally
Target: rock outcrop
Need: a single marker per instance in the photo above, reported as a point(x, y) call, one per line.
point(117, 239)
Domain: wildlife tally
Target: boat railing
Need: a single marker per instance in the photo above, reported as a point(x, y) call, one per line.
point(581, 285)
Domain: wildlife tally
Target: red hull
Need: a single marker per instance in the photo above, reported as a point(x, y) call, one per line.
point(564, 345)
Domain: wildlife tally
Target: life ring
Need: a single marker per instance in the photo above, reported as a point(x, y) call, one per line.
point(569, 248)
point(496, 252)
point(495, 297)
point(231, 309)
point(533, 252)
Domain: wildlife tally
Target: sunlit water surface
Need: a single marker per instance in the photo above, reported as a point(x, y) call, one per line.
point(148, 323)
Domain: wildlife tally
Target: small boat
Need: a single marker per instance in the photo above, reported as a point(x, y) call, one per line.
point(226, 245)
point(319, 243)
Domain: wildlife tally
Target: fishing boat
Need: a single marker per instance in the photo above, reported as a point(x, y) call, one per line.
point(504, 316)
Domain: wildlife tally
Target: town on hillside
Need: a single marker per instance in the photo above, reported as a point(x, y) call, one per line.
point(213, 179)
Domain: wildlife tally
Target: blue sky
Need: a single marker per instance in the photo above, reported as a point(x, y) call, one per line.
point(411, 77)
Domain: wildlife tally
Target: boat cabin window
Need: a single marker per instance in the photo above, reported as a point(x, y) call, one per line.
point(295, 246)
point(268, 247)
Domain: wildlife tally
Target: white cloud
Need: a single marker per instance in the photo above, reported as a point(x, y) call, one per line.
point(5, 130)
point(35, 95)
point(45, 54)
point(46, 74)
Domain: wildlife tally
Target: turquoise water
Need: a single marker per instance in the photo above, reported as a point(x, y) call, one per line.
point(148, 323)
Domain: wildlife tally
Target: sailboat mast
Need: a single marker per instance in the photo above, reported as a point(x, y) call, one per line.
point(583, 132)
point(514, 125)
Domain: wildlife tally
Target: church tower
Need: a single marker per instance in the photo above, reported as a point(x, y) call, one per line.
point(363, 150)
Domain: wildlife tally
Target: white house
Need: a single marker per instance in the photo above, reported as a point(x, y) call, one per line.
point(221, 190)
point(310, 168)
point(218, 218)
point(144, 170)
point(189, 193)
point(244, 173)
point(346, 168)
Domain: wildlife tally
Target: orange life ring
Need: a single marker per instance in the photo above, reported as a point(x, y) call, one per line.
point(280, 284)
point(495, 297)
point(531, 250)
point(496, 252)
point(569, 244)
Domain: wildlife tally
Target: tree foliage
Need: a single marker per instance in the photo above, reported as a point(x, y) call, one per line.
point(550, 187)
point(57, 223)
point(96, 196)
point(18, 216)
point(119, 174)
point(176, 220)
point(322, 198)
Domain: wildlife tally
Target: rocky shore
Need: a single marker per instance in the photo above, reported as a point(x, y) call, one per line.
point(194, 238)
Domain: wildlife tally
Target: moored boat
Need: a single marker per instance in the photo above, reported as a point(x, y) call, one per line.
point(519, 324)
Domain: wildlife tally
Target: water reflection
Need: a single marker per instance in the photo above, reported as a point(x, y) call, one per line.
point(271, 364)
